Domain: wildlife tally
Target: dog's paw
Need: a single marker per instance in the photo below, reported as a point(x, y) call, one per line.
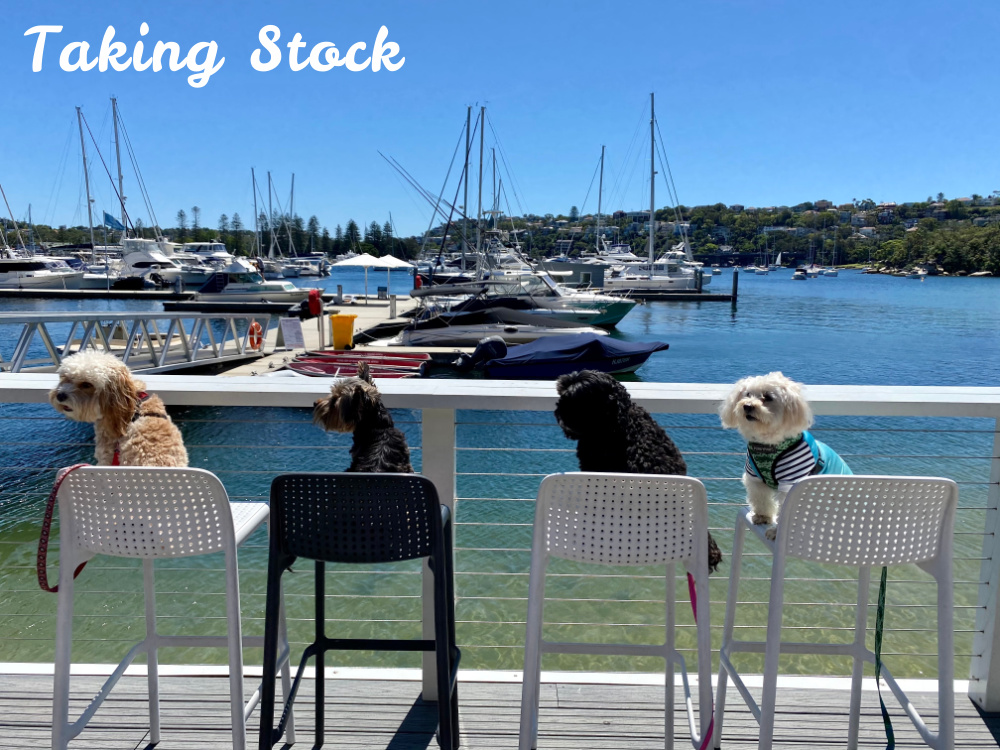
point(760, 520)
point(772, 533)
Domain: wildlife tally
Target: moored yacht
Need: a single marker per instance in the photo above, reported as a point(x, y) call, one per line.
point(240, 282)
point(36, 272)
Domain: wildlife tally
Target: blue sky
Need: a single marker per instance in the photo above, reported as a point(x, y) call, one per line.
point(759, 103)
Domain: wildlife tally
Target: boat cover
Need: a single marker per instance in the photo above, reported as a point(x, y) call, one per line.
point(575, 347)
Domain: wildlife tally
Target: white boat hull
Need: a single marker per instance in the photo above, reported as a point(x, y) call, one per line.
point(470, 335)
point(651, 283)
point(41, 280)
point(250, 296)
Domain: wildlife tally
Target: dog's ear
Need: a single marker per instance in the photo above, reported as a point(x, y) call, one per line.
point(798, 414)
point(118, 399)
point(364, 373)
point(353, 406)
point(728, 409)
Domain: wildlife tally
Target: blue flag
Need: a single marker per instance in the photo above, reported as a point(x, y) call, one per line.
point(111, 222)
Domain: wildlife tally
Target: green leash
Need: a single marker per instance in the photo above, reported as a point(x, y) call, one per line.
point(879, 622)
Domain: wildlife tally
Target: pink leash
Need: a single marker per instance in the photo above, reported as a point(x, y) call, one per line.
point(707, 740)
point(43, 541)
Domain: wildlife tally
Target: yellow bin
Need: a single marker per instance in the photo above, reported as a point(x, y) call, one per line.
point(342, 329)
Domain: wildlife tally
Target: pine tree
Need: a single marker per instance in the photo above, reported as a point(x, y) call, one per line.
point(195, 219)
point(387, 238)
point(313, 229)
point(223, 226)
point(338, 240)
point(182, 224)
point(373, 235)
point(237, 227)
point(352, 235)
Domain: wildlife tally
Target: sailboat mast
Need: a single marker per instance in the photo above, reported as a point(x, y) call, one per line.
point(465, 202)
point(479, 211)
point(118, 158)
point(270, 218)
point(600, 190)
point(86, 182)
point(256, 216)
point(652, 180)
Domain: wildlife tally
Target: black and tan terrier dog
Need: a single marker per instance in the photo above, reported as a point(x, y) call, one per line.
point(354, 405)
point(614, 434)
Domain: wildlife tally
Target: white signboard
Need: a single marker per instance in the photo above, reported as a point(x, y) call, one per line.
point(291, 333)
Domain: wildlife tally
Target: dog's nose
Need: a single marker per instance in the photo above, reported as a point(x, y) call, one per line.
point(61, 396)
point(747, 408)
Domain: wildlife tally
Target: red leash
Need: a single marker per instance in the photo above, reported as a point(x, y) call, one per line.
point(43, 541)
point(707, 739)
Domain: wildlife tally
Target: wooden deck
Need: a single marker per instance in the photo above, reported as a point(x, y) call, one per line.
point(389, 714)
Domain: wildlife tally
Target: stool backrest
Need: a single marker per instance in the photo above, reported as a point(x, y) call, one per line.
point(622, 519)
point(869, 520)
point(144, 512)
point(355, 517)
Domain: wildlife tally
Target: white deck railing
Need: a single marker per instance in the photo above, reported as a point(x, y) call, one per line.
point(460, 432)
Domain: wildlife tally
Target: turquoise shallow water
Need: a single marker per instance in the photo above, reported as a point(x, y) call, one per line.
point(854, 329)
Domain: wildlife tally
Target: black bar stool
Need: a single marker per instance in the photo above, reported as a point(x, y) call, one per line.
point(359, 518)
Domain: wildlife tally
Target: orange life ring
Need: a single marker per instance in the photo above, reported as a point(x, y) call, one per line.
point(256, 336)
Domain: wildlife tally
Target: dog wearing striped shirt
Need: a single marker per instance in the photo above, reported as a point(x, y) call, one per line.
point(773, 416)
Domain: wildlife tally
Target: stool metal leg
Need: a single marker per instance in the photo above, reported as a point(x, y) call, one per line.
point(63, 655)
point(286, 667)
point(530, 687)
point(736, 563)
point(671, 667)
point(152, 663)
point(860, 627)
point(442, 652)
point(275, 567)
point(321, 650)
point(235, 637)
point(772, 651)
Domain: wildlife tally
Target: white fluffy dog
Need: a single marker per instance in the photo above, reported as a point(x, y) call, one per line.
point(772, 415)
point(131, 427)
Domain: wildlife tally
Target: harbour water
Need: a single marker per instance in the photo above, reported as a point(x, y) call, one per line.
point(853, 329)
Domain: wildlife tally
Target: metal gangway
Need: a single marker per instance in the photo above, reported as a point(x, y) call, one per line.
point(146, 342)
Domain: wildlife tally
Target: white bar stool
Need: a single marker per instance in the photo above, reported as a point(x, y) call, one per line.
point(149, 513)
point(863, 521)
point(621, 519)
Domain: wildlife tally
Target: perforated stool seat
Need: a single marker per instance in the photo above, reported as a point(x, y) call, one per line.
point(360, 518)
point(621, 519)
point(149, 513)
point(860, 521)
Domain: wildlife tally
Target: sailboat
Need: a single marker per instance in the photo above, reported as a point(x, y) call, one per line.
point(675, 270)
point(832, 270)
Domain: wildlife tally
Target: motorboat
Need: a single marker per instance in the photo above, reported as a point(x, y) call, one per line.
point(671, 272)
point(240, 282)
point(542, 296)
point(832, 272)
point(213, 252)
point(446, 328)
point(799, 275)
point(36, 272)
point(548, 358)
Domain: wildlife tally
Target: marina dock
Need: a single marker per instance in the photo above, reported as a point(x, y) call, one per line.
point(372, 314)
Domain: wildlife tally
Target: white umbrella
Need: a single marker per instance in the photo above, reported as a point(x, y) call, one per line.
point(388, 262)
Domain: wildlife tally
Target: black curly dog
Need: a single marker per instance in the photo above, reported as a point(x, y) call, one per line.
point(614, 434)
point(355, 405)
